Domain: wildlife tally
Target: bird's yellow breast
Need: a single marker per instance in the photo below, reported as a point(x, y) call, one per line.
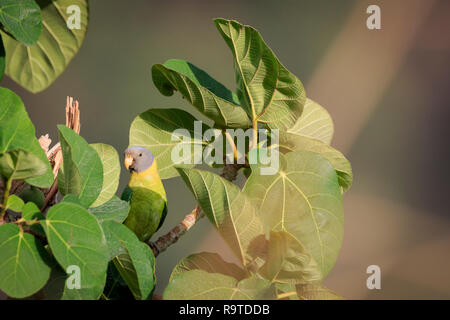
point(149, 179)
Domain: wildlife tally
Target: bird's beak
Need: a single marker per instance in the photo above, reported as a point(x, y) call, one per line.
point(129, 162)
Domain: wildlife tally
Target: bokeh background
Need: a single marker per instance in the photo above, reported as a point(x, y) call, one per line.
point(387, 91)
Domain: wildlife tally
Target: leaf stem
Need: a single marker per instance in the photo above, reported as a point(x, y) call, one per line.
point(255, 134)
point(231, 142)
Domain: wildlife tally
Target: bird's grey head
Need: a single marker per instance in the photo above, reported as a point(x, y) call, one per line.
point(138, 159)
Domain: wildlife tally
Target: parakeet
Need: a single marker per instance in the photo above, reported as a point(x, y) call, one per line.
point(145, 193)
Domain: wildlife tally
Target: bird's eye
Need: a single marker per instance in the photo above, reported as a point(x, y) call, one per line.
point(140, 154)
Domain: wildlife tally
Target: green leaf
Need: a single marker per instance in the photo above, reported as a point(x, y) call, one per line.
point(82, 170)
point(315, 122)
point(206, 94)
point(76, 238)
point(288, 261)
point(316, 292)
point(111, 172)
point(209, 262)
point(293, 142)
point(31, 212)
point(22, 19)
point(36, 67)
point(267, 91)
point(18, 133)
point(19, 164)
point(23, 262)
point(154, 130)
point(202, 285)
point(113, 210)
point(133, 259)
point(32, 194)
point(303, 199)
point(2, 58)
point(14, 203)
point(228, 209)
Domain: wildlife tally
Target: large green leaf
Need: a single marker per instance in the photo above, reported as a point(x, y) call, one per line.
point(303, 199)
point(294, 142)
point(154, 130)
point(36, 67)
point(115, 210)
point(76, 239)
point(202, 285)
point(111, 172)
point(32, 194)
point(316, 292)
point(17, 132)
point(209, 262)
point(287, 261)
point(19, 164)
point(133, 259)
point(81, 173)
point(14, 203)
point(206, 94)
point(228, 209)
point(23, 262)
point(315, 122)
point(266, 89)
point(22, 19)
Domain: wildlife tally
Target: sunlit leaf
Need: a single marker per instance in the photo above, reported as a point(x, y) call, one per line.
point(266, 89)
point(228, 209)
point(316, 292)
point(206, 94)
point(315, 122)
point(287, 261)
point(293, 142)
point(154, 130)
point(202, 285)
point(305, 200)
point(22, 19)
point(209, 262)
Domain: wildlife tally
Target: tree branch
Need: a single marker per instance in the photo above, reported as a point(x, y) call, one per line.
point(229, 172)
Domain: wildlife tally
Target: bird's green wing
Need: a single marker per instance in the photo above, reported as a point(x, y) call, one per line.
point(127, 194)
point(163, 216)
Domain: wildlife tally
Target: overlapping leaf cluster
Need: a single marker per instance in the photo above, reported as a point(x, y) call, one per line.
point(285, 229)
point(84, 230)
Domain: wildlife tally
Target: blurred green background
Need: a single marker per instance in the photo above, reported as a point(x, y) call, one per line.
point(386, 89)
